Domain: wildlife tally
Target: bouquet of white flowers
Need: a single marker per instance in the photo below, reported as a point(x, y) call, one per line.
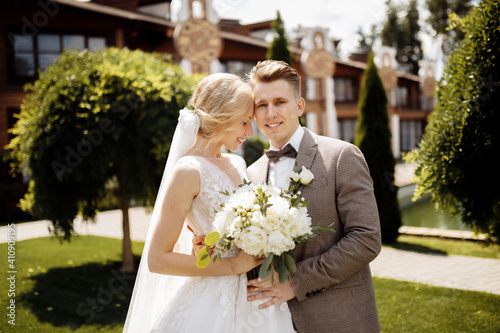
point(263, 220)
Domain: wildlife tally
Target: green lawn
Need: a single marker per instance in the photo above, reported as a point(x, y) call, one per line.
point(412, 307)
point(75, 287)
point(69, 287)
point(446, 246)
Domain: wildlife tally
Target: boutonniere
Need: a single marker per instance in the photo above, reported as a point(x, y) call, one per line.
point(304, 177)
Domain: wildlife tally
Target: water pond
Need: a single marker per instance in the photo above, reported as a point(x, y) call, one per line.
point(422, 213)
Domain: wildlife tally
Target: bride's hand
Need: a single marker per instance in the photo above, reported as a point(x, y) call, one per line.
point(198, 244)
point(244, 262)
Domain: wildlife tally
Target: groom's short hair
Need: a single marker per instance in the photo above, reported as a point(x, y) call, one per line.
point(272, 70)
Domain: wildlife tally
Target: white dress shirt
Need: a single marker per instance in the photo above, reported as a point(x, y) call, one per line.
point(280, 171)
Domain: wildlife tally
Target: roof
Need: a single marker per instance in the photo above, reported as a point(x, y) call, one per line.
point(117, 12)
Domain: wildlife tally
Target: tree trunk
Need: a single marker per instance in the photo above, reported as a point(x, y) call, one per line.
point(128, 265)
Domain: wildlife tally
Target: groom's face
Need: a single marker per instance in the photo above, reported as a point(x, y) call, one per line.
point(277, 110)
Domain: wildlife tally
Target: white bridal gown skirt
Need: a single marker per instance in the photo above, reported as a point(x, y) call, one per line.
point(219, 304)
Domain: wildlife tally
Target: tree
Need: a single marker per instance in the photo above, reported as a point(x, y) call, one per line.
point(456, 159)
point(439, 19)
point(373, 137)
point(403, 35)
point(278, 49)
point(367, 41)
point(392, 32)
point(95, 118)
point(412, 51)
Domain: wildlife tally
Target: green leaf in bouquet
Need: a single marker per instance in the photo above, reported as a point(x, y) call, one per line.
point(279, 265)
point(265, 268)
point(290, 261)
point(282, 272)
point(212, 238)
point(319, 228)
point(264, 209)
point(203, 257)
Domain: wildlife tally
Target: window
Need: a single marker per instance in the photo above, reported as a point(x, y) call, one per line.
point(32, 53)
point(49, 48)
point(23, 55)
point(427, 103)
point(315, 89)
point(343, 89)
point(401, 96)
point(411, 132)
point(347, 129)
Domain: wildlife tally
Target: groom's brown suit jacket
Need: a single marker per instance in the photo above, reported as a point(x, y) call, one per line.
point(333, 283)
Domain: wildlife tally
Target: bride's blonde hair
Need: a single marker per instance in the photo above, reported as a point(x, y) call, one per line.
point(217, 100)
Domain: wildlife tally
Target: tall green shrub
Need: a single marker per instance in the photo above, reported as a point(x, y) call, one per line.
point(278, 49)
point(93, 118)
point(457, 157)
point(373, 137)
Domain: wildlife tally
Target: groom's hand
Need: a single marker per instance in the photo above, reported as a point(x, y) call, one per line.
point(279, 293)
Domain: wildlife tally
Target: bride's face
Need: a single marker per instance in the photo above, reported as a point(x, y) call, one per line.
point(238, 130)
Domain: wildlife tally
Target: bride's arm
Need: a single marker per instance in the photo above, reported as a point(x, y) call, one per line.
point(183, 188)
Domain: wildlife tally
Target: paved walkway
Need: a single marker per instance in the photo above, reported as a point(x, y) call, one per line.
point(459, 272)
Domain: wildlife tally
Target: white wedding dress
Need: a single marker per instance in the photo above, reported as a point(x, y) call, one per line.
point(218, 303)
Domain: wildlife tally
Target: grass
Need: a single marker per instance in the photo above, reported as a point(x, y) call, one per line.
point(68, 287)
point(413, 307)
point(446, 246)
point(75, 287)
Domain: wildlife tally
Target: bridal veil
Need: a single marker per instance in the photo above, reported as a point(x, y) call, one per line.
point(152, 292)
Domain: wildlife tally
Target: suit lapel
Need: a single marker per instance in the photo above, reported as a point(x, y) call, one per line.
point(307, 151)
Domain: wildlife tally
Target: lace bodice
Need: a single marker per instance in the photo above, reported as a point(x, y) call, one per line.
point(213, 181)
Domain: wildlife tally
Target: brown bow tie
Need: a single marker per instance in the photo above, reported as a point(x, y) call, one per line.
point(287, 151)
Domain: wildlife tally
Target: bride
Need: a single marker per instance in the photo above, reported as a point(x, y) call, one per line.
point(171, 293)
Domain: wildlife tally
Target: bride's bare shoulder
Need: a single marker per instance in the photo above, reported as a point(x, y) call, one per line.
point(186, 171)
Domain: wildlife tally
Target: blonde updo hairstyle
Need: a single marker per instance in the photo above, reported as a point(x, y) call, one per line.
point(218, 99)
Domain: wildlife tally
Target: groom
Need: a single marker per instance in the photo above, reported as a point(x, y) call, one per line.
point(332, 289)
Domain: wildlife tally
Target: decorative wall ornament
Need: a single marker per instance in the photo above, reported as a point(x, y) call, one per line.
point(319, 63)
point(319, 66)
point(387, 73)
point(429, 83)
point(198, 41)
point(197, 37)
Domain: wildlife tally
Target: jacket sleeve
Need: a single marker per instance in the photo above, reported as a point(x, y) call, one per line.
point(358, 239)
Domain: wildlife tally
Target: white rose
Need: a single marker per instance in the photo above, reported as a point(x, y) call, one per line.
point(279, 206)
point(271, 190)
point(223, 220)
point(270, 223)
point(252, 240)
point(294, 176)
point(298, 223)
point(306, 176)
point(279, 241)
point(235, 227)
point(256, 218)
